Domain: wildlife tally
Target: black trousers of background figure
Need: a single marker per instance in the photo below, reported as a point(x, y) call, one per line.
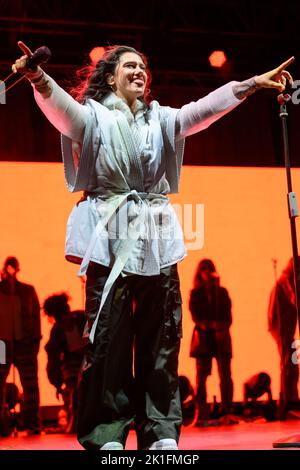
point(204, 366)
point(129, 373)
point(23, 354)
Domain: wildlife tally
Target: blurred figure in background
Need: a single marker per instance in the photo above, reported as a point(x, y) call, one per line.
point(282, 321)
point(255, 387)
point(210, 306)
point(21, 331)
point(65, 354)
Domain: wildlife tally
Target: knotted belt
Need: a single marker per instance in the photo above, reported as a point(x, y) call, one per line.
point(126, 245)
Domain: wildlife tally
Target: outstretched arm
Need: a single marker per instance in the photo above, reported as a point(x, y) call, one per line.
point(66, 114)
point(196, 116)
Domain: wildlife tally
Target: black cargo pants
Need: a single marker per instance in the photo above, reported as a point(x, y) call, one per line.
point(129, 373)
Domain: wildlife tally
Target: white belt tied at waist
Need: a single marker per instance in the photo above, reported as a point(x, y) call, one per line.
point(125, 247)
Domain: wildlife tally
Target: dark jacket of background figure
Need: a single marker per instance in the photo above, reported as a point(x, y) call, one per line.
point(282, 313)
point(30, 308)
point(211, 337)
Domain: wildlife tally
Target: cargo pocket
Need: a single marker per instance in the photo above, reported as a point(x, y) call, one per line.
point(174, 309)
point(177, 313)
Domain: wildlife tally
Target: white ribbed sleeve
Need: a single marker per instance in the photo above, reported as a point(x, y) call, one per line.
point(66, 114)
point(198, 115)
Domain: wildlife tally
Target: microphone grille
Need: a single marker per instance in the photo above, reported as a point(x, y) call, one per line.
point(41, 55)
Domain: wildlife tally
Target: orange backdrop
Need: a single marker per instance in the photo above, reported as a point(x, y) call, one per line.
point(246, 225)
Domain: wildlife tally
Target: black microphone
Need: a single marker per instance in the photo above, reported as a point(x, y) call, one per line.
point(40, 56)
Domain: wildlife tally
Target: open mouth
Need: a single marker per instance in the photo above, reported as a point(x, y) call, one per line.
point(138, 82)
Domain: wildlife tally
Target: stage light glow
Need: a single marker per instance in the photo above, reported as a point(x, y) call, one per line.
point(217, 59)
point(96, 53)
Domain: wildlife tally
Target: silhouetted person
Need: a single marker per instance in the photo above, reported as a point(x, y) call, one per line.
point(256, 386)
point(65, 352)
point(210, 306)
point(282, 320)
point(20, 329)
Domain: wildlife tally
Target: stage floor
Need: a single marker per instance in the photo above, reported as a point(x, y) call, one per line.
point(255, 435)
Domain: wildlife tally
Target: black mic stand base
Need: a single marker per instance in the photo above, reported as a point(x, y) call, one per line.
point(289, 441)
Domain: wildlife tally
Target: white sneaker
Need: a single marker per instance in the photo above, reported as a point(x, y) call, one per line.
point(112, 446)
point(164, 444)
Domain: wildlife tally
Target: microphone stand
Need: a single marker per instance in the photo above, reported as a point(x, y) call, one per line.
point(292, 440)
point(3, 92)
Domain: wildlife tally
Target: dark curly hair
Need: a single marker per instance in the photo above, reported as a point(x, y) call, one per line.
point(57, 305)
point(93, 78)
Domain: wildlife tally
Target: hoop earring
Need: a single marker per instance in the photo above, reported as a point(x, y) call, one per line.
point(112, 87)
point(147, 92)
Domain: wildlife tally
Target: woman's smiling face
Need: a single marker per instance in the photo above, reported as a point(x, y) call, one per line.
point(130, 77)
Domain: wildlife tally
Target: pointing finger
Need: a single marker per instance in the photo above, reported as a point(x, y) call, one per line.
point(25, 49)
point(286, 63)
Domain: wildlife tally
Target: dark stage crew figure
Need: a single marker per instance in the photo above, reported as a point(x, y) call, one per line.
point(65, 353)
point(282, 321)
point(20, 329)
point(210, 307)
point(126, 153)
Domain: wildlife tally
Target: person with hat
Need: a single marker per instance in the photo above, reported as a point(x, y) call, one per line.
point(21, 331)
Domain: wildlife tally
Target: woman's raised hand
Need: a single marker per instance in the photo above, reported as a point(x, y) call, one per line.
point(276, 78)
point(20, 64)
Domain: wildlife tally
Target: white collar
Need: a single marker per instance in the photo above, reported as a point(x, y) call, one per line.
point(113, 102)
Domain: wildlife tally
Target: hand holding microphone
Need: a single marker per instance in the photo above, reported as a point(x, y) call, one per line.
point(28, 63)
point(214, 277)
